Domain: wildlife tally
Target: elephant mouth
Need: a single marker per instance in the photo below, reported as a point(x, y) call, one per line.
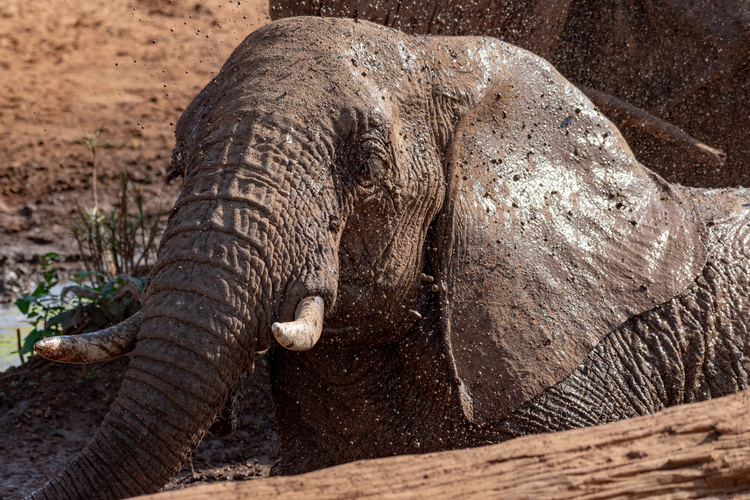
point(340, 330)
point(367, 333)
point(351, 337)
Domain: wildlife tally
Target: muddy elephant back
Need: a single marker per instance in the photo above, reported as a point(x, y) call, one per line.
point(684, 64)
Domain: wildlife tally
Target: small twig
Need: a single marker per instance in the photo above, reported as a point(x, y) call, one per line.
point(93, 178)
point(632, 116)
point(79, 292)
point(124, 241)
point(128, 289)
point(93, 142)
point(18, 340)
point(77, 235)
point(149, 243)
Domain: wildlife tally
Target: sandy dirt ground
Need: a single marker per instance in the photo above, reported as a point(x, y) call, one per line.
point(130, 68)
point(68, 68)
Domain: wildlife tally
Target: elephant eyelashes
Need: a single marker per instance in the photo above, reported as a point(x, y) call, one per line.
point(369, 161)
point(370, 169)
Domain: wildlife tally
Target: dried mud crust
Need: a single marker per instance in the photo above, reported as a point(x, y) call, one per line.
point(49, 411)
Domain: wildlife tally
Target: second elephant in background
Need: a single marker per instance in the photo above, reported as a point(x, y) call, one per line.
point(680, 61)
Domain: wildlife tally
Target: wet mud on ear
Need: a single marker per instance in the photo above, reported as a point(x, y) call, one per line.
point(552, 235)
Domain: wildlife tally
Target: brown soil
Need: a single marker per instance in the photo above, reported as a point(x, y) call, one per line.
point(72, 67)
point(130, 68)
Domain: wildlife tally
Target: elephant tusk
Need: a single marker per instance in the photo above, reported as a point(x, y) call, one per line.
point(302, 333)
point(94, 346)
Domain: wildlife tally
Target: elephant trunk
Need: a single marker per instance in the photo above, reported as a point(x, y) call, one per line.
point(196, 337)
point(160, 414)
point(212, 298)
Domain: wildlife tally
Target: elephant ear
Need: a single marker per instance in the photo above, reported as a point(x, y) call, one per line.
point(552, 235)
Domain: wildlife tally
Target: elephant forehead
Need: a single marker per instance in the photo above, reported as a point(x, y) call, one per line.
point(311, 67)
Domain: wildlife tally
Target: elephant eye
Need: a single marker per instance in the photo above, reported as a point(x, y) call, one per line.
point(178, 167)
point(369, 161)
point(370, 168)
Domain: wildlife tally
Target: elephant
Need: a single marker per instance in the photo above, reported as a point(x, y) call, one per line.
point(450, 243)
point(685, 63)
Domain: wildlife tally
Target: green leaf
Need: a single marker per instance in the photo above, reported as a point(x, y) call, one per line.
point(48, 259)
point(31, 339)
point(139, 282)
point(23, 303)
point(66, 319)
point(81, 276)
point(39, 290)
point(107, 289)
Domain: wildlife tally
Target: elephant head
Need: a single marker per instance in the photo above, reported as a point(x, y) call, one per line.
point(328, 166)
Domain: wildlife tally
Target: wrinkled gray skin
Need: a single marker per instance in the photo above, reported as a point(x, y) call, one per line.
point(315, 164)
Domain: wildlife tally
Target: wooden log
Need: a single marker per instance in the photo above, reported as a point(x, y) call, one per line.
point(690, 451)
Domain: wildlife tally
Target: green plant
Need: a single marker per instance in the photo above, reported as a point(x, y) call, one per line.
point(120, 241)
point(87, 305)
point(99, 304)
point(41, 306)
point(94, 142)
point(115, 246)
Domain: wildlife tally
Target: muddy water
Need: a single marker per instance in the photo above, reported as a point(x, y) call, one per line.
point(10, 320)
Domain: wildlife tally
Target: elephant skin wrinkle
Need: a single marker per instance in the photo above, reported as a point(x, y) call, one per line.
point(345, 161)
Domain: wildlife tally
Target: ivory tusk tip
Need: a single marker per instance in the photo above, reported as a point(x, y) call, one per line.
point(64, 350)
point(91, 347)
point(281, 335)
point(302, 333)
point(48, 348)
